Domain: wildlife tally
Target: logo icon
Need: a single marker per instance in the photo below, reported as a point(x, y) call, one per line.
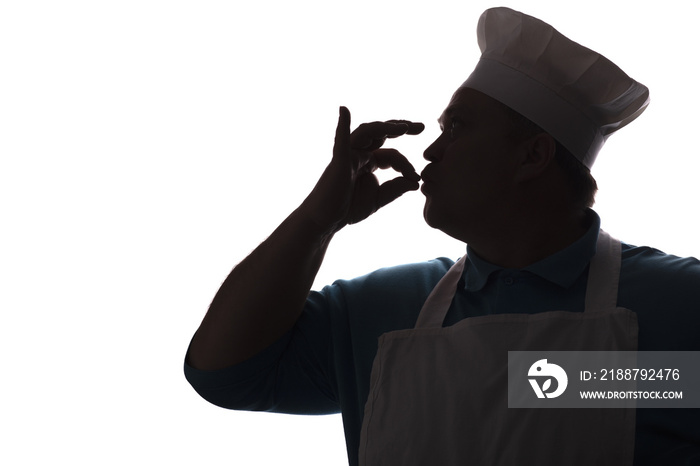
point(547, 371)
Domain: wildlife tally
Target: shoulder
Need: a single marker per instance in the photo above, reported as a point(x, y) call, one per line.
point(664, 291)
point(644, 263)
point(428, 270)
point(383, 300)
point(404, 277)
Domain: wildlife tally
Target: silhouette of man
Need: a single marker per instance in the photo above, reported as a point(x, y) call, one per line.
point(415, 356)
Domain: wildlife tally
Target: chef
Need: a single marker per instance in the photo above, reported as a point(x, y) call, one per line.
point(415, 356)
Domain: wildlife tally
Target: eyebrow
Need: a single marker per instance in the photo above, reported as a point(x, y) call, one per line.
point(464, 110)
point(448, 112)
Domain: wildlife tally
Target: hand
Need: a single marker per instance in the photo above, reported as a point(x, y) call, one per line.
point(348, 191)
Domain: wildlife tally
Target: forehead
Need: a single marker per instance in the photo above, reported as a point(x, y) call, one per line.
point(467, 102)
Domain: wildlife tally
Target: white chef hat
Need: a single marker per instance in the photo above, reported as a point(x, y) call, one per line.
point(573, 93)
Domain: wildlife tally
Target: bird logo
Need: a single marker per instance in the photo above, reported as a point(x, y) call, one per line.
point(546, 372)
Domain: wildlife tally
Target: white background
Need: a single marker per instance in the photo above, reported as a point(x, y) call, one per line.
point(148, 146)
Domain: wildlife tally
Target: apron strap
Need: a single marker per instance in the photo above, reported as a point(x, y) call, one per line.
point(601, 291)
point(604, 274)
point(438, 302)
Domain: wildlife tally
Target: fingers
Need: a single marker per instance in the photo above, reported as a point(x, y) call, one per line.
point(371, 136)
point(413, 127)
point(393, 189)
point(391, 158)
point(349, 179)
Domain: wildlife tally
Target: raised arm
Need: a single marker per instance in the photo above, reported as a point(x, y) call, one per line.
point(245, 317)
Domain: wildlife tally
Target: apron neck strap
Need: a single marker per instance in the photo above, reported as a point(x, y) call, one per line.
point(601, 291)
point(438, 302)
point(604, 274)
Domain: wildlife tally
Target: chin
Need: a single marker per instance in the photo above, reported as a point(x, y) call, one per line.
point(433, 216)
point(448, 222)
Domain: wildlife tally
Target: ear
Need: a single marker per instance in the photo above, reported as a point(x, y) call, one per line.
point(537, 156)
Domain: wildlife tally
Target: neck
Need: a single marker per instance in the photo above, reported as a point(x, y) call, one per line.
point(528, 237)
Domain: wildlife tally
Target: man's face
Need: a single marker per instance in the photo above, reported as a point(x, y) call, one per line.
point(470, 180)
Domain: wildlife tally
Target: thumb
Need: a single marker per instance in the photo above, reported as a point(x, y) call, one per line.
point(342, 132)
point(393, 189)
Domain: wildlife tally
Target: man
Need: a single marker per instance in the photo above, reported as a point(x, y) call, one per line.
point(414, 356)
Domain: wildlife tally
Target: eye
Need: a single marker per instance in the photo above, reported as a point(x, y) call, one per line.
point(454, 127)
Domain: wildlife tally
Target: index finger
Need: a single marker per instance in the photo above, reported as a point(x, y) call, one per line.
point(380, 129)
point(371, 136)
point(414, 127)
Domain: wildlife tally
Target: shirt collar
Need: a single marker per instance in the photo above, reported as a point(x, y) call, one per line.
point(561, 268)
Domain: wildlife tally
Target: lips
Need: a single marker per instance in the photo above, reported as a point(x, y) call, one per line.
point(427, 178)
point(426, 174)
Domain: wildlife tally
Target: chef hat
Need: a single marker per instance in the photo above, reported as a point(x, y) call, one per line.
point(573, 93)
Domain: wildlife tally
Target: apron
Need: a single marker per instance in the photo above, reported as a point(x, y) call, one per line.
point(438, 395)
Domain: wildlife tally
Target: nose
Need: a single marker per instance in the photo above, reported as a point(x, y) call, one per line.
point(433, 152)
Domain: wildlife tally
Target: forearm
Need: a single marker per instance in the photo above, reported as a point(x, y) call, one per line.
point(262, 297)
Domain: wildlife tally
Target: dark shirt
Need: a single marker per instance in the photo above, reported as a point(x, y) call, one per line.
point(323, 365)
